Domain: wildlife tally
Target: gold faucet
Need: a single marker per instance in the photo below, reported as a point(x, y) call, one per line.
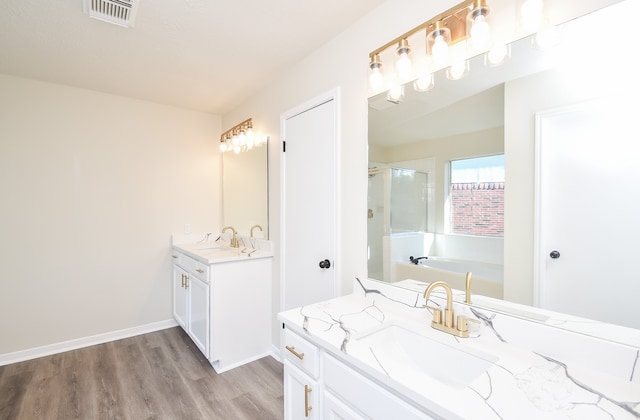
point(234, 241)
point(467, 288)
point(253, 227)
point(448, 326)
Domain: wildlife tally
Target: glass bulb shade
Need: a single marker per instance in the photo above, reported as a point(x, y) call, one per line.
point(250, 143)
point(423, 83)
point(439, 48)
point(497, 55)
point(242, 138)
point(223, 147)
point(249, 134)
point(480, 33)
point(403, 65)
point(547, 38)
point(235, 140)
point(531, 14)
point(457, 70)
point(376, 79)
point(236, 149)
point(396, 92)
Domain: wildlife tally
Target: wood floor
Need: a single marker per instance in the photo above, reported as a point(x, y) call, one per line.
point(160, 375)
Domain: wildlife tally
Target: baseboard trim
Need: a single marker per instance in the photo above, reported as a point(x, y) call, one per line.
point(34, 353)
point(275, 353)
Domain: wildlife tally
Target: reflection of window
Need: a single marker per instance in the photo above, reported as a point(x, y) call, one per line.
point(476, 196)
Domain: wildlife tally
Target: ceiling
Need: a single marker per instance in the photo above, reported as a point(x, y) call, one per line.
point(206, 55)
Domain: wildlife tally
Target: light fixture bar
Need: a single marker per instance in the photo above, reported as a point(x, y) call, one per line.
point(453, 18)
point(244, 125)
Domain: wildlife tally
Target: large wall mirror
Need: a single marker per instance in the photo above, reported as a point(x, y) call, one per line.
point(245, 191)
point(421, 146)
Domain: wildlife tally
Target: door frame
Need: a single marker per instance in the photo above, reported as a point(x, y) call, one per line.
point(331, 95)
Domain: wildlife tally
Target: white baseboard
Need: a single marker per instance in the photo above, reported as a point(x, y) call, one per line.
point(275, 353)
point(34, 353)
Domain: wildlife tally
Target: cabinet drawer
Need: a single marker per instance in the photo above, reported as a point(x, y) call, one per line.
point(301, 353)
point(194, 267)
point(366, 396)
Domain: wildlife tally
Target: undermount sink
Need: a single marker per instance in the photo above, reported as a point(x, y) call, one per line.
point(413, 358)
point(212, 247)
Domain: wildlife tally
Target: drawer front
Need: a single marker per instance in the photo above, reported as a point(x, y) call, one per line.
point(193, 266)
point(364, 395)
point(301, 353)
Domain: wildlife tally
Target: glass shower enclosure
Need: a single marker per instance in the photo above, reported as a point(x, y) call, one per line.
point(397, 202)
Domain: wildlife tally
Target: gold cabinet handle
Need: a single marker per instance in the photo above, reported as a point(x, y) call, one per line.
point(182, 281)
point(307, 407)
point(186, 281)
point(174, 256)
point(200, 271)
point(295, 353)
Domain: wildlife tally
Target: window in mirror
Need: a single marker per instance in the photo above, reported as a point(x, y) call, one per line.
point(476, 196)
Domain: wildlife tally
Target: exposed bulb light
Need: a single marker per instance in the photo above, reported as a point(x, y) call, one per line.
point(403, 63)
point(223, 147)
point(497, 55)
point(396, 93)
point(478, 26)
point(438, 44)
point(376, 78)
point(531, 14)
point(423, 83)
point(547, 38)
point(457, 70)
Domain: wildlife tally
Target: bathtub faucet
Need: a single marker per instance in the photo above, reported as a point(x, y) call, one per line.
point(417, 260)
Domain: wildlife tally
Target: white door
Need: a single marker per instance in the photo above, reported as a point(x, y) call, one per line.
point(309, 211)
point(588, 209)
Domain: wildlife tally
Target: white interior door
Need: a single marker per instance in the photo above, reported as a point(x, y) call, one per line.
point(309, 224)
point(588, 208)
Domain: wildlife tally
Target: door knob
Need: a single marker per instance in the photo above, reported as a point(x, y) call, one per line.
point(325, 264)
point(554, 254)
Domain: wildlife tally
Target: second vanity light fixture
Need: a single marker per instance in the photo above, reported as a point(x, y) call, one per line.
point(241, 138)
point(469, 21)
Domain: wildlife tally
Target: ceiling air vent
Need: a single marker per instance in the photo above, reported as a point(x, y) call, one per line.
point(118, 12)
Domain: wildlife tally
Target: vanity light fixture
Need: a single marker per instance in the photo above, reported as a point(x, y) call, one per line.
point(241, 138)
point(468, 20)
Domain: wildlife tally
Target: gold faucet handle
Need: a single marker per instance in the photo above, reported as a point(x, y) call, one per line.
point(463, 323)
point(437, 314)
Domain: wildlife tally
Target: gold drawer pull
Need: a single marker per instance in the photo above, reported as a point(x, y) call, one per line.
point(200, 271)
point(295, 353)
point(307, 407)
point(174, 256)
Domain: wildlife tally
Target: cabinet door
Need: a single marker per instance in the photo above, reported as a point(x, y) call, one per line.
point(334, 409)
point(179, 296)
point(300, 395)
point(198, 320)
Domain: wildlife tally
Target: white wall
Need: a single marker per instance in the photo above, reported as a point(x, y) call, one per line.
point(92, 187)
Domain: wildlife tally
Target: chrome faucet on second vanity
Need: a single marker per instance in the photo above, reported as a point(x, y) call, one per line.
point(447, 325)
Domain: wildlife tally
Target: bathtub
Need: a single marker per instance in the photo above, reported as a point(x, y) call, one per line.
point(486, 279)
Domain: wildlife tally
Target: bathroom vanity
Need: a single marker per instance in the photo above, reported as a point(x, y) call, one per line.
point(222, 299)
point(374, 354)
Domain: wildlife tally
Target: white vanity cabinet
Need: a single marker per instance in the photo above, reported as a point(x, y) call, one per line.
point(191, 301)
point(318, 385)
point(225, 306)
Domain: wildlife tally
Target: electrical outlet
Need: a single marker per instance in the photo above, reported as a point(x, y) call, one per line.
point(187, 228)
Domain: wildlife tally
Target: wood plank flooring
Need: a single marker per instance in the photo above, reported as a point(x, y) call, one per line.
point(161, 375)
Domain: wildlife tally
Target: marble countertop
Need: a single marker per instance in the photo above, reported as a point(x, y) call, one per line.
point(539, 371)
point(216, 252)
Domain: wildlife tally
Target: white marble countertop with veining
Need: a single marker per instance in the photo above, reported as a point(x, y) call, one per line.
point(214, 252)
point(538, 371)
